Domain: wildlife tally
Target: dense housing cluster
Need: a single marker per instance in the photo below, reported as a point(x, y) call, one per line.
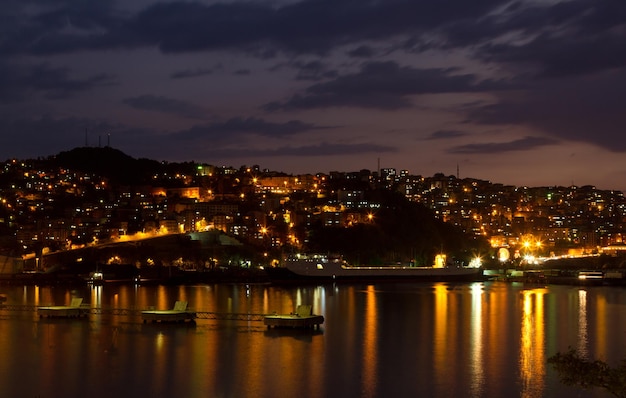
point(46, 207)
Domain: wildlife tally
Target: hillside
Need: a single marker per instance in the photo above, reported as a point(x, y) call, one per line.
point(109, 163)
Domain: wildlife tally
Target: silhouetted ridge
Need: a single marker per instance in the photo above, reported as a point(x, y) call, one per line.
point(108, 162)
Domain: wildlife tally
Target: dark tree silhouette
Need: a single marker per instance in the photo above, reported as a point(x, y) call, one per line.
point(400, 231)
point(576, 370)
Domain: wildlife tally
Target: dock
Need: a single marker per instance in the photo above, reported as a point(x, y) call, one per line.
point(302, 318)
point(178, 314)
point(74, 310)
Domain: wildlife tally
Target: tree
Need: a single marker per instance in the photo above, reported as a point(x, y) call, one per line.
point(575, 370)
point(400, 231)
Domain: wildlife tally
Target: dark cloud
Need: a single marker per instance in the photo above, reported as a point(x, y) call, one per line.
point(524, 144)
point(551, 35)
point(247, 126)
point(382, 85)
point(345, 21)
point(554, 38)
point(313, 26)
point(188, 73)
point(558, 56)
point(362, 52)
point(184, 27)
point(314, 70)
point(19, 82)
point(323, 149)
point(167, 105)
point(49, 27)
point(586, 109)
point(216, 145)
point(445, 134)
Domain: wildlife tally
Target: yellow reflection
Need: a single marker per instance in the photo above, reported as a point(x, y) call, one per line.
point(298, 298)
point(440, 331)
point(160, 366)
point(319, 298)
point(476, 336)
point(532, 353)
point(602, 348)
point(370, 352)
point(37, 295)
point(582, 322)
point(96, 296)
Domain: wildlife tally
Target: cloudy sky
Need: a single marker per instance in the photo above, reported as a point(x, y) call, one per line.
point(529, 92)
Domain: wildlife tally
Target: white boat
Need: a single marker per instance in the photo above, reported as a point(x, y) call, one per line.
point(302, 318)
point(178, 314)
point(321, 267)
point(74, 310)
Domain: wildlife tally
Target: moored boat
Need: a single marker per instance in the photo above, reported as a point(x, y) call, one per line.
point(302, 318)
point(322, 267)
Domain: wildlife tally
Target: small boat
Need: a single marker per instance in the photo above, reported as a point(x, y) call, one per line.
point(178, 314)
point(302, 318)
point(322, 267)
point(591, 277)
point(74, 310)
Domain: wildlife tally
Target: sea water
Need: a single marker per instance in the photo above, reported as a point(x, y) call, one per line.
point(486, 339)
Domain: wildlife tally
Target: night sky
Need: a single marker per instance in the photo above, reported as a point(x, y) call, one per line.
point(515, 92)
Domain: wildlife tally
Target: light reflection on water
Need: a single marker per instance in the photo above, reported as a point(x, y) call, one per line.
point(582, 322)
point(477, 379)
point(441, 339)
point(370, 344)
point(401, 340)
point(532, 353)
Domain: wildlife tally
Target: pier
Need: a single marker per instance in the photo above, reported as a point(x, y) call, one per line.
point(85, 310)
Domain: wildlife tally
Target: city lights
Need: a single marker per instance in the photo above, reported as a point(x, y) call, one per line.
point(277, 210)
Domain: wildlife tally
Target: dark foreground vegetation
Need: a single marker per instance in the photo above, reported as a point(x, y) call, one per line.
point(576, 370)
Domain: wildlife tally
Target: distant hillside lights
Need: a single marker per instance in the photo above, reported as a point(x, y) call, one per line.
point(476, 262)
point(143, 235)
point(503, 255)
point(201, 225)
point(33, 213)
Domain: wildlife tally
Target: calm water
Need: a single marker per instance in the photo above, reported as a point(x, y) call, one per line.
point(389, 340)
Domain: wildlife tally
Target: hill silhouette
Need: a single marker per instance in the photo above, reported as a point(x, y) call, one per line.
point(109, 163)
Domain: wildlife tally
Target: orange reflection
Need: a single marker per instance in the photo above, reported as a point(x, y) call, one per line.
point(476, 337)
point(370, 349)
point(96, 296)
point(602, 348)
point(532, 352)
point(37, 295)
point(440, 333)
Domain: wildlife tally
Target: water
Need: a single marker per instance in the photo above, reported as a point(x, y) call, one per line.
point(486, 339)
